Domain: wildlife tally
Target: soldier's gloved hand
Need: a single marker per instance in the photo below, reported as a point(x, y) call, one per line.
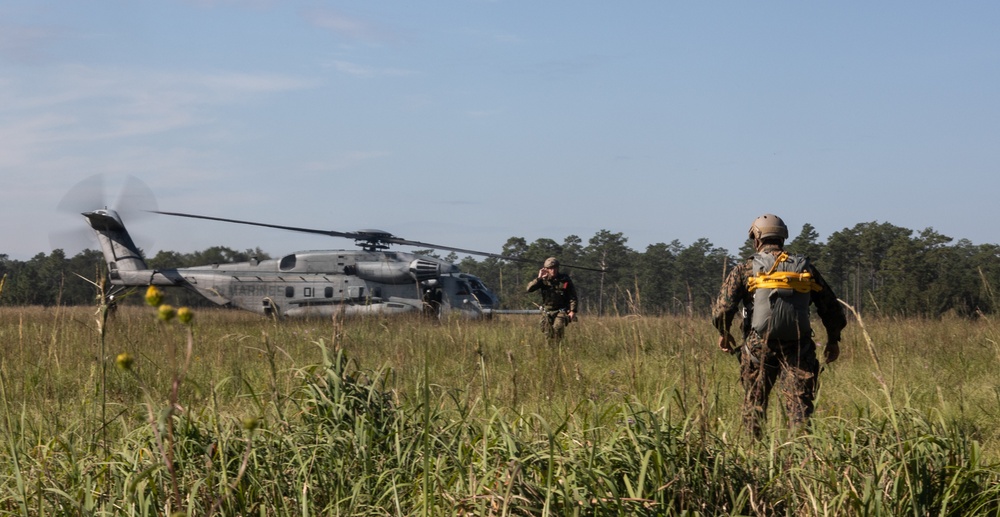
point(727, 343)
point(831, 351)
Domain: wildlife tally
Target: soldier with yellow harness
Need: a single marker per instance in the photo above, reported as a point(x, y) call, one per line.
point(776, 290)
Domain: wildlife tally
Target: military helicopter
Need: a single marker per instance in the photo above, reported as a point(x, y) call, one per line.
point(371, 280)
point(368, 281)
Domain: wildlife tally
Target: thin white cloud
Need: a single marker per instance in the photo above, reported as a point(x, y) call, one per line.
point(568, 67)
point(496, 36)
point(251, 4)
point(26, 44)
point(344, 161)
point(483, 113)
point(348, 27)
point(136, 87)
point(356, 70)
point(77, 104)
point(253, 83)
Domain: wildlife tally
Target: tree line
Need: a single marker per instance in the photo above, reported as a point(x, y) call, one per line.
point(878, 268)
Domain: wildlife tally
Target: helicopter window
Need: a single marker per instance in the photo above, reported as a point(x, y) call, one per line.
point(289, 292)
point(328, 292)
point(307, 292)
point(287, 262)
point(480, 296)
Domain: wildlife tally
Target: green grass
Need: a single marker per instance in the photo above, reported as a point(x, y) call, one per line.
point(408, 417)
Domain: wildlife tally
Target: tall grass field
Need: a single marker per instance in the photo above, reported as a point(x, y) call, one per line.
point(124, 413)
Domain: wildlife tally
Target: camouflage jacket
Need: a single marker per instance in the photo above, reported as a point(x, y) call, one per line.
point(735, 291)
point(558, 293)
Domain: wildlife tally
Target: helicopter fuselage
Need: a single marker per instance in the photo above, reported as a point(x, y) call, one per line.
point(323, 283)
point(307, 283)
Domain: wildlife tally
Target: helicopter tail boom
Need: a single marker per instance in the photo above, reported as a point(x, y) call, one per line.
point(120, 252)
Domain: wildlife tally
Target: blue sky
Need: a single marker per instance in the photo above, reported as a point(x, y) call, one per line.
point(465, 123)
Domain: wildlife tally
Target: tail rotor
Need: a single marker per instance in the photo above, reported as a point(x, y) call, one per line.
point(134, 202)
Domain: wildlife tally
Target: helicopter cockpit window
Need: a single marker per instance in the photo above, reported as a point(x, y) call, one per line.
point(287, 262)
point(483, 298)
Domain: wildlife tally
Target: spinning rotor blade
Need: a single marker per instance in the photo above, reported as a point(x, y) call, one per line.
point(418, 244)
point(374, 238)
point(135, 200)
point(396, 240)
point(331, 233)
point(88, 194)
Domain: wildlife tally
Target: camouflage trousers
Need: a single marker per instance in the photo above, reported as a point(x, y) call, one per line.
point(762, 364)
point(554, 324)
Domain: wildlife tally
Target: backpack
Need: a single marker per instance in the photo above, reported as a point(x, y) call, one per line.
point(781, 287)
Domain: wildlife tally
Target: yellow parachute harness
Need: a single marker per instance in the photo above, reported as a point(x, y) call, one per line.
point(799, 282)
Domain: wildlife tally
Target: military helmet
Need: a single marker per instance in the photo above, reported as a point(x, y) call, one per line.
point(768, 225)
point(551, 262)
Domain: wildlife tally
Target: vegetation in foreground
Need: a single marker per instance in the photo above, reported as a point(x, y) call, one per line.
point(233, 414)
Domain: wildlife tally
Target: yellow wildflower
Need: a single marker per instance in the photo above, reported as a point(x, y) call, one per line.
point(167, 312)
point(124, 361)
point(153, 296)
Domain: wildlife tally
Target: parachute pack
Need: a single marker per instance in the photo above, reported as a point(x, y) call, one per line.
point(781, 286)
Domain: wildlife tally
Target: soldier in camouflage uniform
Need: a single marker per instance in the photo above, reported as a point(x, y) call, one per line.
point(763, 360)
point(558, 298)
